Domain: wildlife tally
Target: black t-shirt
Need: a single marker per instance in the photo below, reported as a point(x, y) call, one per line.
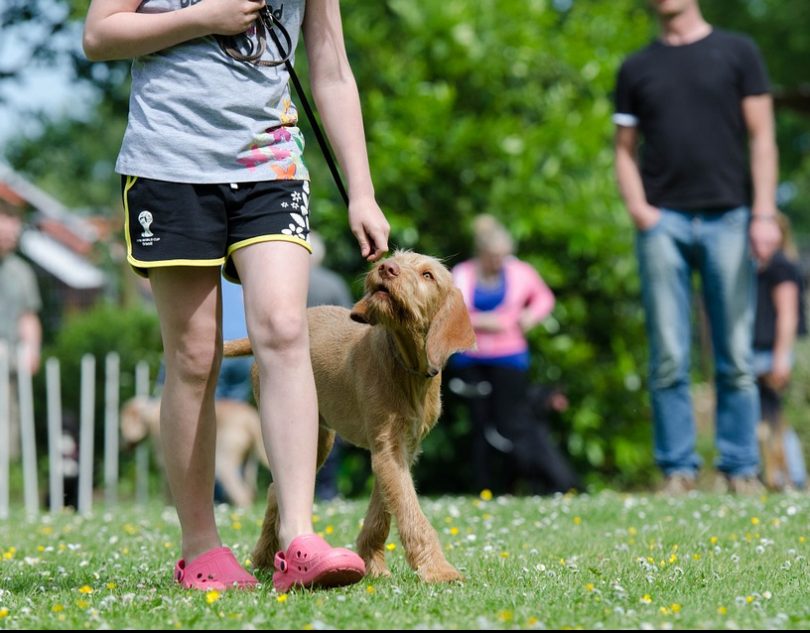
point(687, 104)
point(778, 271)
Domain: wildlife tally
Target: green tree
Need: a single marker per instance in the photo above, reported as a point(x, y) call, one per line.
point(501, 107)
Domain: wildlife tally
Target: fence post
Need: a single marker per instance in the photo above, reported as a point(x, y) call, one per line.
point(55, 432)
point(111, 400)
point(5, 429)
point(87, 418)
point(142, 451)
point(29, 445)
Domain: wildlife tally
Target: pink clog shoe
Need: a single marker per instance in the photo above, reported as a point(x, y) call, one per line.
point(216, 569)
point(311, 562)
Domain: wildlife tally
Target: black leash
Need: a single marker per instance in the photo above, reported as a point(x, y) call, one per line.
point(267, 23)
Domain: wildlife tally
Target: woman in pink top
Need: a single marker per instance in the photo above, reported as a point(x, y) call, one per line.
point(506, 298)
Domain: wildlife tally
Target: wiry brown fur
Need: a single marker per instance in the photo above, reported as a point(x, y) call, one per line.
point(239, 436)
point(378, 375)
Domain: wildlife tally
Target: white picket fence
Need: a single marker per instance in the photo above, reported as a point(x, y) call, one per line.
point(87, 423)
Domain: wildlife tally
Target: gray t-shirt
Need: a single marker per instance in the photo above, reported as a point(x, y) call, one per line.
point(19, 294)
point(198, 116)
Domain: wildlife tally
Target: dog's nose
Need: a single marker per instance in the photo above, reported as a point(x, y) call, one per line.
point(389, 269)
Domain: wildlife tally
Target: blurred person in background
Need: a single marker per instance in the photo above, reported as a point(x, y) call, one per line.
point(506, 298)
point(326, 287)
point(20, 303)
point(696, 164)
point(780, 319)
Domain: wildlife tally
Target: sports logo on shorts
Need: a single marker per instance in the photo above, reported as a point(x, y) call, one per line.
point(147, 237)
point(145, 219)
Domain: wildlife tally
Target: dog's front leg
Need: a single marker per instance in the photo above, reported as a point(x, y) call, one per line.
point(371, 542)
point(423, 551)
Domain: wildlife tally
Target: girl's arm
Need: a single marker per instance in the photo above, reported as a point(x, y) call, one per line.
point(335, 93)
point(113, 29)
point(786, 302)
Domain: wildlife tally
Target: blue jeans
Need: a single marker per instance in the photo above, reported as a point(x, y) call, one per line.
point(715, 244)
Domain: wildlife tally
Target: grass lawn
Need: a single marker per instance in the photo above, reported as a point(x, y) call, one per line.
point(591, 561)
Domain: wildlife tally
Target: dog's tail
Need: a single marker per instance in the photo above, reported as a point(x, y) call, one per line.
point(238, 347)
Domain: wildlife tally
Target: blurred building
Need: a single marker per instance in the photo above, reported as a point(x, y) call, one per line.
point(59, 244)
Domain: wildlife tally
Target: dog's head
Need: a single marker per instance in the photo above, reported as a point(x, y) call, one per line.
point(413, 295)
point(136, 416)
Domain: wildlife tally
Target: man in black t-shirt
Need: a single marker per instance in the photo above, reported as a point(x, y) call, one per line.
point(703, 180)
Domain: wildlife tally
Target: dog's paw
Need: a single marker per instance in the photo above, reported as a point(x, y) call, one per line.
point(376, 568)
point(440, 573)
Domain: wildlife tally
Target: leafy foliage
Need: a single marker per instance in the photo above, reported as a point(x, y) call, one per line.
point(502, 107)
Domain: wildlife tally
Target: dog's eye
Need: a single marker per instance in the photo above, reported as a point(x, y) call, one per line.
point(427, 275)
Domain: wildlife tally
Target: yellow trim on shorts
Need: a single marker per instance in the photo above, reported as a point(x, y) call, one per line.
point(137, 265)
point(268, 238)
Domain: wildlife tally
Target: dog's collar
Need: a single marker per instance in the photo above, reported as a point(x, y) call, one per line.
point(401, 362)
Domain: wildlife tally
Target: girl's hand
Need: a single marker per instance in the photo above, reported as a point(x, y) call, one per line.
point(228, 17)
point(369, 226)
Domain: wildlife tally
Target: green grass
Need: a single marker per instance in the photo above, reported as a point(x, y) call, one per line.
point(603, 561)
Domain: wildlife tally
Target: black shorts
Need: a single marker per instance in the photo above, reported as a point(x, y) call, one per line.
point(180, 224)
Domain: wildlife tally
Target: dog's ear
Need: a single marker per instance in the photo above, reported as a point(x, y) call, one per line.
point(362, 312)
point(450, 331)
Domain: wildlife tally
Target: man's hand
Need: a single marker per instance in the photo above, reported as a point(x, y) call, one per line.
point(765, 236)
point(645, 216)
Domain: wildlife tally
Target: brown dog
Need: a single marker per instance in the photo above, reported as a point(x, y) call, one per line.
point(378, 376)
point(239, 437)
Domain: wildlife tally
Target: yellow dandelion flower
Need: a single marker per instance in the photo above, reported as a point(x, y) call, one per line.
point(675, 607)
point(577, 520)
point(82, 604)
point(722, 611)
point(505, 616)
point(802, 539)
point(308, 627)
point(57, 608)
point(111, 586)
point(454, 531)
point(532, 621)
point(749, 599)
point(236, 525)
point(486, 494)
point(4, 613)
point(8, 555)
point(589, 586)
point(167, 545)
point(632, 531)
point(673, 559)
point(713, 540)
point(504, 554)
point(329, 529)
point(212, 596)
point(664, 610)
point(646, 598)
point(40, 548)
point(316, 518)
point(391, 547)
point(696, 556)
point(85, 589)
point(46, 530)
point(248, 562)
point(130, 529)
point(370, 589)
point(282, 598)
point(487, 516)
